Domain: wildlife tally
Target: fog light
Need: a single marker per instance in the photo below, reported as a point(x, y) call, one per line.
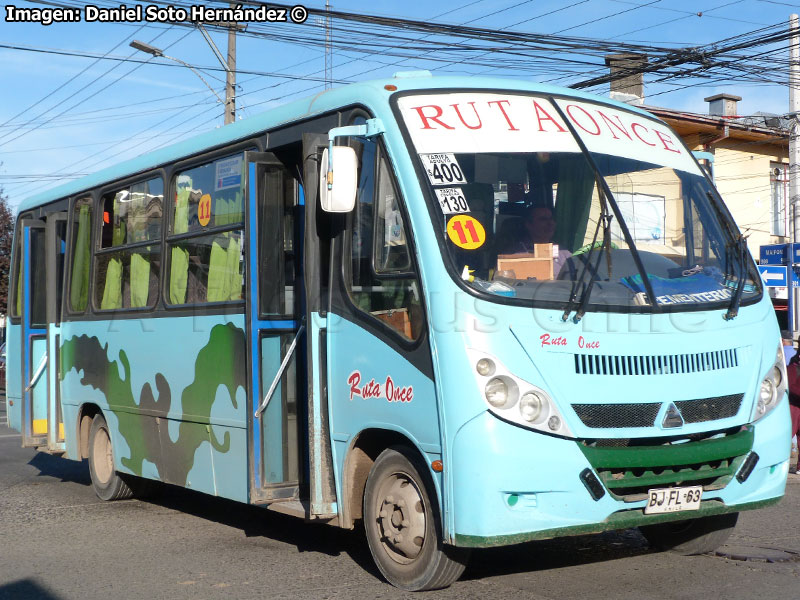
point(530, 406)
point(485, 367)
point(496, 392)
point(554, 423)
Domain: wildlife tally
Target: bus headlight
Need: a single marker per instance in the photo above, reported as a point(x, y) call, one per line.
point(531, 406)
point(496, 392)
point(766, 397)
point(485, 367)
point(777, 376)
point(773, 387)
point(514, 399)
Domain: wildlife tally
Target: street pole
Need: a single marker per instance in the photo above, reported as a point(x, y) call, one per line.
point(230, 80)
point(794, 156)
point(328, 46)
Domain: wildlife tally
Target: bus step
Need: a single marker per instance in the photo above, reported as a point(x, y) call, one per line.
point(299, 508)
point(47, 450)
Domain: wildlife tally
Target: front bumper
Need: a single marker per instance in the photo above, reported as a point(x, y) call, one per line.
point(512, 485)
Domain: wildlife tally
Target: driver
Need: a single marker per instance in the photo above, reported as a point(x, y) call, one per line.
point(539, 228)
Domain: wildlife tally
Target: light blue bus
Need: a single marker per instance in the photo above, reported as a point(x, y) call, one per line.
point(469, 312)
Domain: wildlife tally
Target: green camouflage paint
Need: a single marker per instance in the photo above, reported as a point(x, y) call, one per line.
point(222, 361)
point(86, 354)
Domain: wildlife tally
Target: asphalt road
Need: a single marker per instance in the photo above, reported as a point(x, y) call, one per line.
point(59, 541)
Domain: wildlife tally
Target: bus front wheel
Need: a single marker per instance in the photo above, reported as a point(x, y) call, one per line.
point(696, 536)
point(403, 527)
point(107, 483)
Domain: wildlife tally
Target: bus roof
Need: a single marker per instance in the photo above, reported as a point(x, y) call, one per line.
point(370, 93)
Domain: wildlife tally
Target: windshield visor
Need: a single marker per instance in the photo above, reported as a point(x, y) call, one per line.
point(525, 216)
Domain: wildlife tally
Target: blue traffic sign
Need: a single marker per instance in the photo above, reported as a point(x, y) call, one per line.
point(796, 253)
point(774, 254)
point(773, 275)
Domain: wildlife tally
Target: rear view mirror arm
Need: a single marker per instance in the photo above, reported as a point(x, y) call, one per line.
point(371, 128)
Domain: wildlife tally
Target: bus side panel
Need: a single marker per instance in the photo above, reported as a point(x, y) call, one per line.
point(173, 391)
point(360, 366)
point(14, 375)
point(69, 413)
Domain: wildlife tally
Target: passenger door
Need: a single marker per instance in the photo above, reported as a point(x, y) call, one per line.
point(380, 371)
point(56, 248)
point(43, 246)
point(274, 330)
point(369, 360)
point(320, 231)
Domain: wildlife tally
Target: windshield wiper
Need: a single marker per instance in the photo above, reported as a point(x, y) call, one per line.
point(605, 222)
point(739, 247)
point(606, 194)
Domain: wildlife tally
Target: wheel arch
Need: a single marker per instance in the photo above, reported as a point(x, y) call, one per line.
point(86, 414)
point(362, 452)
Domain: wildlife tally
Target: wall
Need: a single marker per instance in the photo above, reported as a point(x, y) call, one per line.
point(742, 175)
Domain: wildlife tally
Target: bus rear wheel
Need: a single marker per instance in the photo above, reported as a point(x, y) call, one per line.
point(107, 483)
point(696, 536)
point(402, 525)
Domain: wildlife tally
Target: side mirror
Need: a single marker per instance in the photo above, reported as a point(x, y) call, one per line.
point(340, 195)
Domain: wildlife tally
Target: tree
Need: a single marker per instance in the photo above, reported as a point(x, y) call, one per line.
point(6, 243)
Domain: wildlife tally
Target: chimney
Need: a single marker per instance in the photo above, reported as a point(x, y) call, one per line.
point(722, 105)
point(627, 83)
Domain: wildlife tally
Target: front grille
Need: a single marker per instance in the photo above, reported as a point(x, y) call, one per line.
point(708, 409)
point(615, 416)
point(668, 364)
point(628, 472)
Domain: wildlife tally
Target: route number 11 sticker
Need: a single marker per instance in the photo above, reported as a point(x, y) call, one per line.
point(451, 200)
point(466, 232)
point(442, 169)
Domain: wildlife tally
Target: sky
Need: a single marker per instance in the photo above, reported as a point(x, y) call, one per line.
point(62, 116)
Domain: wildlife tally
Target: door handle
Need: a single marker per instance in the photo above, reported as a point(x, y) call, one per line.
point(38, 373)
point(279, 374)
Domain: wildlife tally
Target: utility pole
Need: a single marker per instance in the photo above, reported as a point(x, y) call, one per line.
point(230, 79)
point(794, 154)
point(328, 46)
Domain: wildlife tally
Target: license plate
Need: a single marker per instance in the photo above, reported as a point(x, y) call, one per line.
point(666, 500)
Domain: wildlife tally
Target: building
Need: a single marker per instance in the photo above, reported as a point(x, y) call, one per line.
point(749, 155)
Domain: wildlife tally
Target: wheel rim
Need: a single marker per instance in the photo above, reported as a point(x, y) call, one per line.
point(401, 517)
point(102, 457)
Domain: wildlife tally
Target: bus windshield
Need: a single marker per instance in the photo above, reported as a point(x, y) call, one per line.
point(525, 216)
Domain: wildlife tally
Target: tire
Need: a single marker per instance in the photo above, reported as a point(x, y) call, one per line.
point(143, 488)
point(107, 483)
point(696, 536)
point(407, 546)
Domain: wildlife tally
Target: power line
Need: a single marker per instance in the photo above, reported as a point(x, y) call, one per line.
point(80, 101)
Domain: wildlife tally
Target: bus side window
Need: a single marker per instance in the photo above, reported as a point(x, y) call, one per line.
point(379, 255)
point(206, 241)
point(81, 254)
point(129, 259)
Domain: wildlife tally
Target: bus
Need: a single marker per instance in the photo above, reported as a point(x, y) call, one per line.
point(467, 312)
